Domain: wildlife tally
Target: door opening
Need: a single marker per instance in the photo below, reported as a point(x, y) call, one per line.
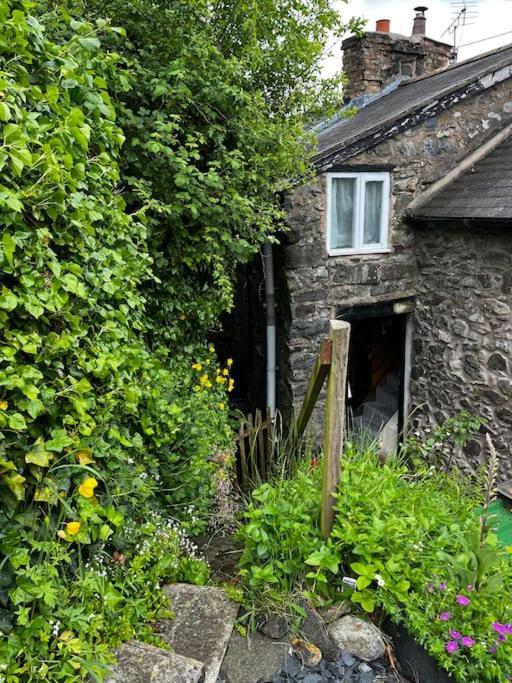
point(376, 374)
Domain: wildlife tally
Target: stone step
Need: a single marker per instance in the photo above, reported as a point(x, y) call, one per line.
point(202, 625)
point(387, 397)
point(377, 413)
point(365, 427)
point(142, 663)
point(253, 658)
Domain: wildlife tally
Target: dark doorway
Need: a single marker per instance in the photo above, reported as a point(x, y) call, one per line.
point(375, 381)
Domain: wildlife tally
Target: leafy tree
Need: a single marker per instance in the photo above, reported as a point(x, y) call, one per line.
point(214, 104)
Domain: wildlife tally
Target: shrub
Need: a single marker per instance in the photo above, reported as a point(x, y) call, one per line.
point(412, 543)
point(94, 421)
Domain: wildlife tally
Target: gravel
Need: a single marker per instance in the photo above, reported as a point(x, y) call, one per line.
point(346, 669)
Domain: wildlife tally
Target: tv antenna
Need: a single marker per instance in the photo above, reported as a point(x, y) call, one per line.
point(464, 13)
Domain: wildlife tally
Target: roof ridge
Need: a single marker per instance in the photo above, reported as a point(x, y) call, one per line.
point(457, 65)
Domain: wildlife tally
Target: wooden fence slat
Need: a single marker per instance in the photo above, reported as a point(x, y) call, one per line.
point(261, 446)
point(334, 420)
point(316, 381)
point(243, 458)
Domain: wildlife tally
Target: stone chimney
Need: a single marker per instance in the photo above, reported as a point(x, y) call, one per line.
point(379, 57)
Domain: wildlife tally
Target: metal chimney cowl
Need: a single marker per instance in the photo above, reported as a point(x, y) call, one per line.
point(419, 27)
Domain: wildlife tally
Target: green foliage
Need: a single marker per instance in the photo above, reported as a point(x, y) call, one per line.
point(94, 421)
point(412, 543)
point(213, 98)
point(279, 535)
point(67, 624)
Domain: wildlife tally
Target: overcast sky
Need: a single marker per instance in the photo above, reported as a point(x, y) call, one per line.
point(494, 17)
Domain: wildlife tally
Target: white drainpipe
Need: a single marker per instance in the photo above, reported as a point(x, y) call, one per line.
point(270, 302)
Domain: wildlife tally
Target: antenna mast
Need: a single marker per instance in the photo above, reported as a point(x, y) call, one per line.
point(464, 13)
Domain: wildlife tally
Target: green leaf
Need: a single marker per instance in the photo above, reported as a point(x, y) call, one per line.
point(8, 300)
point(9, 246)
point(17, 422)
point(16, 483)
point(60, 440)
point(40, 458)
point(5, 112)
point(90, 43)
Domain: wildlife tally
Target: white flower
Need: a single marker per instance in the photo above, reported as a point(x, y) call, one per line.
point(380, 580)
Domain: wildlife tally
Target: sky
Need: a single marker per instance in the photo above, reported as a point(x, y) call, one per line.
point(494, 17)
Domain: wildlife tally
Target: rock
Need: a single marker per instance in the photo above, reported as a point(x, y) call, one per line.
point(253, 658)
point(358, 637)
point(330, 614)
point(141, 663)
point(313, 630)
point(307, 653)
point(347, 659)
point(312, 678)
point(202, 625)
point(275, 627)
point(291, 666)
point(366, 673)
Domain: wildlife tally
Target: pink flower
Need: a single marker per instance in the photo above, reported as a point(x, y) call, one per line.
point(456, 635)
point(445, 616)
point(442, 586)
point(451, 647)
point(467, 641)
point(462, 600)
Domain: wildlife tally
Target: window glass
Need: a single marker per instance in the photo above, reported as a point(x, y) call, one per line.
point(373, 190)
point(343, 212)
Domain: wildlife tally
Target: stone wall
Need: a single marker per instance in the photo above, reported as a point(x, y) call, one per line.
point(313, 286)
point(374, 59)
point(463, 335)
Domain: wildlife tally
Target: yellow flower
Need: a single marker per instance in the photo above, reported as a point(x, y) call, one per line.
point(211, 348)
point(72, 528)
point(229, 362)
point(205, 381)
point(220, 380)
point(197, 366)
point(183, 316)
point(86, 488)
point(3, 405)
point(222, 406)
point(225, 373)
point(231, 385)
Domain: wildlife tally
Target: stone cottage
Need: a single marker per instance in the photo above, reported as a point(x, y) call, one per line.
point(406, 233)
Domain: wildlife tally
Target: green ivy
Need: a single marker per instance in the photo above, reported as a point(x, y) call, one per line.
point(97, 426)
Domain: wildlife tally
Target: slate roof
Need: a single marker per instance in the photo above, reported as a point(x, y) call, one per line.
point(482, 192)
point(412, 101)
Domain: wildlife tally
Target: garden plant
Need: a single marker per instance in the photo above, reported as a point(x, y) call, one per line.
point(412, 540)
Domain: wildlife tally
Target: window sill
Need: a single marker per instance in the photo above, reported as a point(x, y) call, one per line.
point(358, 252)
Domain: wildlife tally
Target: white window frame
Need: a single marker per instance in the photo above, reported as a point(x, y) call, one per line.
point(359, 248)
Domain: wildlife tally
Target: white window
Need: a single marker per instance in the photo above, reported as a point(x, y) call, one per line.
point(358, 213)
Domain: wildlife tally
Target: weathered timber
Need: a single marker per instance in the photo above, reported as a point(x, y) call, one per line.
point(316, 381)
point(334, 426)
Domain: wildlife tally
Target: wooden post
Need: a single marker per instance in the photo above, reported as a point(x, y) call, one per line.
point(316, 381)
point(339, 335)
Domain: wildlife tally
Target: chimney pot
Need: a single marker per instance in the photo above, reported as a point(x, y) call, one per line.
point(419, 26)
point(383, 26)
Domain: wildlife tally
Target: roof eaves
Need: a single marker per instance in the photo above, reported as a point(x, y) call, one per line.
point(350, 147)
